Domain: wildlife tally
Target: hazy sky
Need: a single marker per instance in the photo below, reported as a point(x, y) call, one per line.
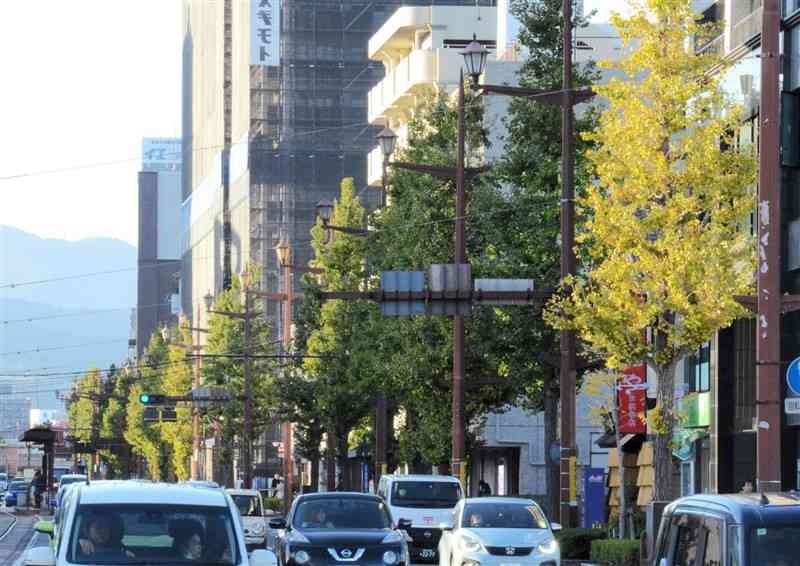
point(83, 82)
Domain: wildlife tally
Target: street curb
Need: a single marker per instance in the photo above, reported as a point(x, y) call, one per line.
point(11, 526)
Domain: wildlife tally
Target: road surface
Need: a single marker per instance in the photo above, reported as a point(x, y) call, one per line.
point(16, 536)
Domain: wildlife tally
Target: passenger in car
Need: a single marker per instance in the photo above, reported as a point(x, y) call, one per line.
point(188, 536)
point(102, 537)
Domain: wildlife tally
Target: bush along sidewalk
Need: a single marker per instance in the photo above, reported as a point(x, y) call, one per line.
point(615, 552)
point(576, 544)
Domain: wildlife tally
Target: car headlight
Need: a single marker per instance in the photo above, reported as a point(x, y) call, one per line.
point(469, 544)
point(297, 537)
point(301, 557)
point(390, 557)
point(258, 529)
point(393, 538)
point(548, 547)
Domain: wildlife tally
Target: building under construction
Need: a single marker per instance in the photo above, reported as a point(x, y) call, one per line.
point(274, 116)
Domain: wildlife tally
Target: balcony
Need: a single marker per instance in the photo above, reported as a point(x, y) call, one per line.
point(746, 28)
point(397, 93)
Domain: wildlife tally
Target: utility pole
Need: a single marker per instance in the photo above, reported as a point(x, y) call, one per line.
point(247, 437)
point(286, 427)
point(195, 463)
point(458, 449)
point(768, 327)
point(567, 366)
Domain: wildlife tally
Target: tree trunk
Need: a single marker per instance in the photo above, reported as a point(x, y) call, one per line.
point(663, 488)
point(623, 507)
point(553, 477)
point(314, 487)
point(330, 461)
point(341, 455)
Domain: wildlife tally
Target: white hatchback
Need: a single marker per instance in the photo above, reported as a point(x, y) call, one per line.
point(251, 509)
point(115, 523)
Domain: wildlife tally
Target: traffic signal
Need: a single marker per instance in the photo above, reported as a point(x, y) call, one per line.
point(152, 400)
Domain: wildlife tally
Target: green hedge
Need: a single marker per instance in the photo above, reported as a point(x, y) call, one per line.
point(576, 543)
point(614, 552)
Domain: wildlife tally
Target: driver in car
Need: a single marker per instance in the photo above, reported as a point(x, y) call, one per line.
point(318, 520)
point(475, 520)
point(103, 538)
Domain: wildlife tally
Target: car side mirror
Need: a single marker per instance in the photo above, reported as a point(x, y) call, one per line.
point(44, 527)
point(555, 526)
point(277, 523)
point(404, 524)
point(263, 557)
point(39, 556)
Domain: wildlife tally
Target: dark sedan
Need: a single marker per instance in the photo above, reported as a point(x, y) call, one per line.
point(339, 529)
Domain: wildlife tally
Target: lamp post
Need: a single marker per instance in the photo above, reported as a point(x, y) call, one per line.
point(247, 433)
point(284, 253)
point(475, 56)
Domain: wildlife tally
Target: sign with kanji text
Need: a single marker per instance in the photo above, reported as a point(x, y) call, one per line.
point(632, 397)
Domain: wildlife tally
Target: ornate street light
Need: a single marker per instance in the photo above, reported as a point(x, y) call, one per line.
point(387, 140)
point(325, 211)
point(282, 250)
point(209, 300)
point(475, 56)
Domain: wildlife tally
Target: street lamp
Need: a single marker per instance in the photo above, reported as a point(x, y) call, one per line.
point(282, 250)
point(475, 56)
point(209, 301)
point(387, 140)
point(325, 211)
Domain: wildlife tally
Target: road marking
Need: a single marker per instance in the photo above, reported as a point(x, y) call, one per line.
point(28, 546)
point(11, 526)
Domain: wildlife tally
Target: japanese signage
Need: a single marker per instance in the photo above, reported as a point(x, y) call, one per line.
point(265, 32)
point(161, 154)
point(633, 400)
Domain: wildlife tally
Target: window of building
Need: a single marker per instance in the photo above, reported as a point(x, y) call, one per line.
point(697, 369)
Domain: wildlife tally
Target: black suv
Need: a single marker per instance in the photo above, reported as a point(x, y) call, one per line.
point(742, 530)
point(337, 529)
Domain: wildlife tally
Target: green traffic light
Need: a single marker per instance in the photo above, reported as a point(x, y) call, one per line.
point(144, 398)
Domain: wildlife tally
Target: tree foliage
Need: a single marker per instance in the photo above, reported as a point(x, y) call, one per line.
point(665, 225)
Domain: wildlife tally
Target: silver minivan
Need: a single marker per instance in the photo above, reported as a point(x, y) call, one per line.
point(736, 530)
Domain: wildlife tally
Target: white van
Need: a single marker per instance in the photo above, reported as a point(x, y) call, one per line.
point(427, 502)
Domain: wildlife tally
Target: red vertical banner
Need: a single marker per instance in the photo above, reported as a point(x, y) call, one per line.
point(632, 398)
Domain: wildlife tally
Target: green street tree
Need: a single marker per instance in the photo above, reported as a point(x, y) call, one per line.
point(665, 226)
point(343, 370)
point(84, 409)
point(114, 422)
point(176, 380)
point(226, 371)
point(146, 438)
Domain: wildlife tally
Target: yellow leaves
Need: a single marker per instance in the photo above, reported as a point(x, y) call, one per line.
point(663, 221)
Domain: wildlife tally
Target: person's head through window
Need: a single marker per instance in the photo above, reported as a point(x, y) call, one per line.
point(188, 539)
point(102, 534)
point(475, 520)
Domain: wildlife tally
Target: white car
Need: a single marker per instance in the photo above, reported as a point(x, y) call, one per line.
point(498, 531)
point(251, 509)
point(114, 523)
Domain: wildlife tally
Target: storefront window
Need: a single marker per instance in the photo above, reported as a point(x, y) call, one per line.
point(696, 370)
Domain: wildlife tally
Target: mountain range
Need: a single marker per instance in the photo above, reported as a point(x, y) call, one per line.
point(64, 307)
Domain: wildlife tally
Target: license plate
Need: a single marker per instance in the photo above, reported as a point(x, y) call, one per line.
point(428, 553)
point(509, 564)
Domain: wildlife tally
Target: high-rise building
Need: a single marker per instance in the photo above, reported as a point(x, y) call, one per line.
point(14, 414)
point(159, 237)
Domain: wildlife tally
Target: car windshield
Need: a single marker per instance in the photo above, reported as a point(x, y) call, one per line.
point(341, 513)
point(503, 516)
point(249, 505)
point(774, 545)
point(426, 494)
point(18, 486)
point(153, 535)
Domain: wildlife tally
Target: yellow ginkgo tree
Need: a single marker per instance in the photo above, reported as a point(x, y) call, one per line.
point(664, 233)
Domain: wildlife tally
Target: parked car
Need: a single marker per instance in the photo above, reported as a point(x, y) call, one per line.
point(130, 522)
point(3, 481)
point(251, 509)
point(17, 493)
point(425, 501)
point(326, 528)
point(498, 531)
point(743, 529)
